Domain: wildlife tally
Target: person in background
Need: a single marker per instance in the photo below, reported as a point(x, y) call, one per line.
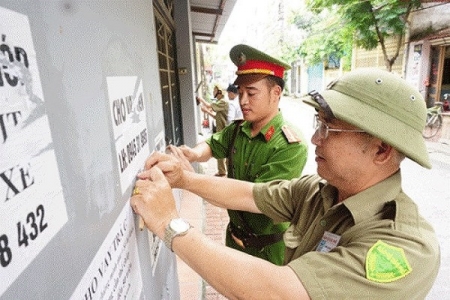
point(353, 234)
point(234, 108)
point(261, 148)
point(218, 109)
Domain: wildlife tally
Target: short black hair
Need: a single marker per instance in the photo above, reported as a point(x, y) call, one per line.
point(232, 88)
point(274, 80)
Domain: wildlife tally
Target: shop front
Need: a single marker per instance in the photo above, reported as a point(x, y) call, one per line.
point(428, 68)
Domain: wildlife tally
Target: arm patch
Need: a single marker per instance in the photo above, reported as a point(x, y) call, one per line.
point(386, 263)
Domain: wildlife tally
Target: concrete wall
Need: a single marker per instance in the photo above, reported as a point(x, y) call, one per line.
point(418, 65)
point(362, 58)
point(433, 16)
point(80, 110)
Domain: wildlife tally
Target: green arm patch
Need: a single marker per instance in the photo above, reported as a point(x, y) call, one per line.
point(385, 263)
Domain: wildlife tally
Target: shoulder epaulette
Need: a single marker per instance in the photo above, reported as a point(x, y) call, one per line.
point(290, 135)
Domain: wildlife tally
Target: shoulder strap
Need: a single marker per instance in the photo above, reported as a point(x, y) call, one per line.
point(290, 135)
point(270, 239)
point(230, 148)
point(231, 171)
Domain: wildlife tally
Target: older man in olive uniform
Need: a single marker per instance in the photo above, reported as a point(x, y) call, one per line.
point(261, 148)
point(354, 233)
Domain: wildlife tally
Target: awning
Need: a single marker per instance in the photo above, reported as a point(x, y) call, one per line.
point(208, 18)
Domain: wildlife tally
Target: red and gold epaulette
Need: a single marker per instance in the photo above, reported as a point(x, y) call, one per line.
point(290, 135)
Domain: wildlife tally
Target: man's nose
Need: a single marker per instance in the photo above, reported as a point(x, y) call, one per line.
point(316, 139)
point(243, 99)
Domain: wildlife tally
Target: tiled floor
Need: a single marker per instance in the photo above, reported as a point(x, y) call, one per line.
point(213, 221)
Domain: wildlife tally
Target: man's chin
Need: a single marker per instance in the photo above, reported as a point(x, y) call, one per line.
point(321, 172)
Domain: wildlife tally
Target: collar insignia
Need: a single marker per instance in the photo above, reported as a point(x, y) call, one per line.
point(269, 133)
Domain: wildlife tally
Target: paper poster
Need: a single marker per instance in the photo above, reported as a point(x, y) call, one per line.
point(115, 271)
point(154, 242)
point(32, 206)
point(130, 126)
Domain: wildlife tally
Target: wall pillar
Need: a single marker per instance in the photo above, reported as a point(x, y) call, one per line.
point(186, 59)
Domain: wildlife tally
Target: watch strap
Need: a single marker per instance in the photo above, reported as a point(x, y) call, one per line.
point(170, 234)
point(168, 238)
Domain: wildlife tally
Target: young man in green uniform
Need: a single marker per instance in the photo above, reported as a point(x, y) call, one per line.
point(354, 233)
point(260, 149)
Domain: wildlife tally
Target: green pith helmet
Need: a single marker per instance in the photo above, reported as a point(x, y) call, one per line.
point(382, 104)
point(253, 65)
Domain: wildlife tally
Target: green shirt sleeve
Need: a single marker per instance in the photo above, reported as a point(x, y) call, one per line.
point(286, 163)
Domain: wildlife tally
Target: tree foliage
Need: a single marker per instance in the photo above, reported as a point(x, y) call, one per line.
point(337, 25)
point(325, 38)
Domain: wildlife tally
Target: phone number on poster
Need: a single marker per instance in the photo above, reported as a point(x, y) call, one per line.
point(27, 231)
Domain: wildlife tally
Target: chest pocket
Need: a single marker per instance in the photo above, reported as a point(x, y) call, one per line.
point(251, 161)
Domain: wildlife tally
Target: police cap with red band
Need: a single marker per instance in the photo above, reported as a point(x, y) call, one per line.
point(253, 65)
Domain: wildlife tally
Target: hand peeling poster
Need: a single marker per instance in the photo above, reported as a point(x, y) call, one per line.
point(130, 127)
point(32, 207)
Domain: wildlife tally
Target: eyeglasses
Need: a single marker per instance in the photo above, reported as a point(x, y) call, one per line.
point(322, 128)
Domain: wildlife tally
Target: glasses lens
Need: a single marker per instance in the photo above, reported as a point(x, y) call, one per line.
point(323, 130)
point(320, 128)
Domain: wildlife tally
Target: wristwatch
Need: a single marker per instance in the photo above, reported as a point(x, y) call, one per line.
point(176, 227)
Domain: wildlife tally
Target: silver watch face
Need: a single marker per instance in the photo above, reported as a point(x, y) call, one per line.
point(179, 225)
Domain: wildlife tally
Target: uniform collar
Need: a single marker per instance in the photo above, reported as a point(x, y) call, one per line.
point(372, 200)
point(268, 130)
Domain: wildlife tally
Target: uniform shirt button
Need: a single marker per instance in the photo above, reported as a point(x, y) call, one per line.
point(323, 223)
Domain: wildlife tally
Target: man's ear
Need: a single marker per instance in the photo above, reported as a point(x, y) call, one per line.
point(382, 148)
point(384, 153)
point(277, 91)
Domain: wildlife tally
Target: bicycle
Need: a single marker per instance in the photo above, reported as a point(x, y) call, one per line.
point(434, 120)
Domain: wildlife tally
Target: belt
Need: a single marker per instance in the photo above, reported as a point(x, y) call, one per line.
point(247, 239)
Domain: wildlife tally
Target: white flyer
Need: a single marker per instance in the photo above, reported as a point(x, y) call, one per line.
point(129, 123)
point(32, 206)
point(115, 271)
